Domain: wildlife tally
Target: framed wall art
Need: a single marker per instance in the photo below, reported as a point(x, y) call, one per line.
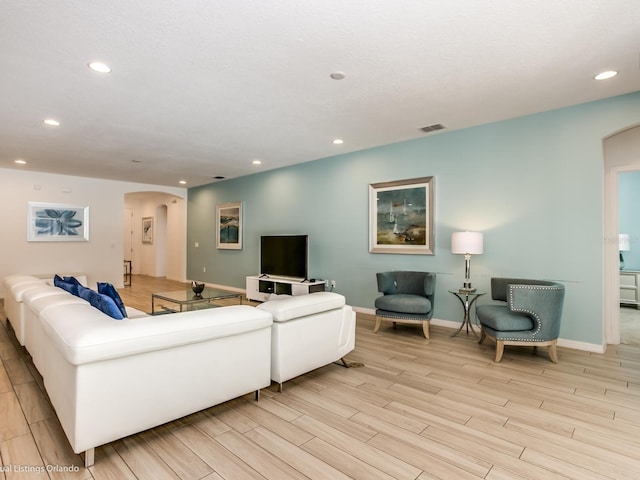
point(401, 217)
point(52, 222)
point(229, 226)
point(147, 229)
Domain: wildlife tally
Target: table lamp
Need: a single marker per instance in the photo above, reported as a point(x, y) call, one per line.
point(467, 244)
point(624, 245)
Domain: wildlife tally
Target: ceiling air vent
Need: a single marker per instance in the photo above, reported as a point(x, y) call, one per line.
point(433, 128)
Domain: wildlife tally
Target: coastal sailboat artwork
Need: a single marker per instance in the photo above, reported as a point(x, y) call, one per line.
point(405, 222)
point(401, 217)
point(229, 221)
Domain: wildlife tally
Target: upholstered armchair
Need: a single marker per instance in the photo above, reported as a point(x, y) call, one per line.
point(407, 298)
point(531, 316)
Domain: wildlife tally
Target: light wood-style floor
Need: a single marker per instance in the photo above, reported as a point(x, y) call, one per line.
point(417, 409)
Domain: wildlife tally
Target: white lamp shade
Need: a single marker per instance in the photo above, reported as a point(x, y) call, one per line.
point(466, 242)
point(624, 243)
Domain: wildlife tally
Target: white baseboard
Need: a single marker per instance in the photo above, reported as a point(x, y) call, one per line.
point(573, 344)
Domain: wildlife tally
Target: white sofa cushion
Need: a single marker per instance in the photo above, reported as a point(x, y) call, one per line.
point(83, 334)
point(18, 278)
point(302, 305)
point(38, 292)
point(17, 289)
point(60, 297)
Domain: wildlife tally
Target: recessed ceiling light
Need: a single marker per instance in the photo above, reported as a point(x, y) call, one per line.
point(606, 75)
point(100, 67)
point(338, 141)
point(182, 182)
point(52, 122)
point(257, 162)
point(20, 161)
point(337, 75)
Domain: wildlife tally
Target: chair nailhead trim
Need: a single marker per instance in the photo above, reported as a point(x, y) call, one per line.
point(533, 314)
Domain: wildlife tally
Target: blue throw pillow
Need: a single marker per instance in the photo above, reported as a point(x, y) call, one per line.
point(81, 292)
point(70, 287)
point(110, 291)
point(102, 302)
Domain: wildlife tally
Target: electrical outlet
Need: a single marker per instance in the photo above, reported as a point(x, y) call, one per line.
point(326, 283)
point(204, 269)
point(333, 284)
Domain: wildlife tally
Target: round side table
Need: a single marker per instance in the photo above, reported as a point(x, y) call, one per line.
point(467, 299)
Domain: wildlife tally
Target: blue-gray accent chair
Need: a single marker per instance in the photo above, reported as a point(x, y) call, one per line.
point(531, 316)
point(408, 297)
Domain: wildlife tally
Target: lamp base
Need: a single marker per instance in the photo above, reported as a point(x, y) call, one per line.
point(466, 290)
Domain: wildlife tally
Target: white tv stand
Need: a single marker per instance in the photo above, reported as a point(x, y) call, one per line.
point(260, 288)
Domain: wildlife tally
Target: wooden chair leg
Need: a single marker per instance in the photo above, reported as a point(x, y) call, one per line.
point(425, 329)
point(377, 326)
point(483, 335)
point(553, 353)
point(499, 350)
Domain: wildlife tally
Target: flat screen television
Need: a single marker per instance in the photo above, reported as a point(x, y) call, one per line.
point(284, 255)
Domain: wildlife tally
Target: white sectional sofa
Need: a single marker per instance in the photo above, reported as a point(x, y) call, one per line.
point(309, 331)
point(37, 285)
point(108, 378)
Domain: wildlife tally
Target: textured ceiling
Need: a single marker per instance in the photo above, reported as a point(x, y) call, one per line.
point(200, 88)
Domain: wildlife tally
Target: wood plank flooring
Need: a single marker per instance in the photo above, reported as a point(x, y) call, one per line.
point(417, 409)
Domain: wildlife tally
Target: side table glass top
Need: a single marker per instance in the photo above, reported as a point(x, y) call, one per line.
point(464, 293)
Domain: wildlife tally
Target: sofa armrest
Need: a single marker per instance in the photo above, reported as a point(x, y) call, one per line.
point(284, 309)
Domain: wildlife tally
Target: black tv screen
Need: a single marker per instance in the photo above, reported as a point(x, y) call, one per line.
point(284, 255)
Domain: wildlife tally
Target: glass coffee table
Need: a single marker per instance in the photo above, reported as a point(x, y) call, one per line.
point(186, 300)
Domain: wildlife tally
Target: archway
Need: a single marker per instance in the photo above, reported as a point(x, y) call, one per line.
point(163, 252)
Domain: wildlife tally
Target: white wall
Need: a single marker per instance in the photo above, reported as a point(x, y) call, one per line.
point(101, 257)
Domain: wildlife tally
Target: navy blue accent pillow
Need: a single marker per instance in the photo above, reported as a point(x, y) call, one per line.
point(110, 291)
point(70, 287)
point(102, 302)
point(81, 289)
point(72, 280)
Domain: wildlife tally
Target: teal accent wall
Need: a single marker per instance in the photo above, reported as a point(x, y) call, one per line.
point(629, 220)
point(533, 185)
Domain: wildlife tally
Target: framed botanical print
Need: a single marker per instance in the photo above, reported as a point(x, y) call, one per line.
point(147, 229)
point(52, 222)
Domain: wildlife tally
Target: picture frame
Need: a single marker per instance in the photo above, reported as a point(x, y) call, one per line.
point(147, 230)
point(401, 216)
point(229, 226)
point(54, 222)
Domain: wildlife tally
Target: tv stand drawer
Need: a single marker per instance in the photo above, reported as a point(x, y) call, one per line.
point(261, 288)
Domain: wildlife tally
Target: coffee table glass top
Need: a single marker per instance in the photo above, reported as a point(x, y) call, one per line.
point(186, 297)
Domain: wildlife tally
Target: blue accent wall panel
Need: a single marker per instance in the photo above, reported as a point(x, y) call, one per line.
point(533, 185)
point(629, 220)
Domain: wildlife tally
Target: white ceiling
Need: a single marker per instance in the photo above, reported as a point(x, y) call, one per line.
point(201, 88)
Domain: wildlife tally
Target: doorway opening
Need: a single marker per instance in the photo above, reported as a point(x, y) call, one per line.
point(621, 154)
